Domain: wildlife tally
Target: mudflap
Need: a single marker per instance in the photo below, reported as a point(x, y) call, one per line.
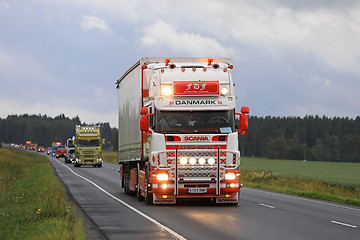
point(228, 200)
point(160, 200)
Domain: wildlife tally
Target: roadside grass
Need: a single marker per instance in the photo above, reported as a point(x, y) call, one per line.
point(33, 205)
point(109, 157)
point(337, 182)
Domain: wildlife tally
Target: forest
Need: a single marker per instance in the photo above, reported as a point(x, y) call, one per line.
point(311, 138)
point(44, 130)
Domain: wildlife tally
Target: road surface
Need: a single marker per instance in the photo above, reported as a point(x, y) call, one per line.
point(259, 215)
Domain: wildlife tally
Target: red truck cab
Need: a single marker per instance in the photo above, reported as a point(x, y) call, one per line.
point(60, 151)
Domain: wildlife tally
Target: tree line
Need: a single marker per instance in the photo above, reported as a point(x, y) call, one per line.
point(311, 138)
point(44, 130)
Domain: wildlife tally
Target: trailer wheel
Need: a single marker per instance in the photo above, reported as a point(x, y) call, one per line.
point(127, 179)
point(138, 193)
point(138, 190)
point(126, 183)
point(122, 182)
point(148, 195)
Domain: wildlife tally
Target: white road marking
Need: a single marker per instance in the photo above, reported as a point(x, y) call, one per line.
point(309, 200)
point(265, 205)
point(344, 224)
point(172, 232)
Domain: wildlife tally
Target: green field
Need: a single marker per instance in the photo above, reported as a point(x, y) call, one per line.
point(110, 157)
point(33, 204)
point(334, 173)
point(337, 182)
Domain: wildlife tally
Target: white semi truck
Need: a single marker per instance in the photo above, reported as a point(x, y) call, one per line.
point(177, 132)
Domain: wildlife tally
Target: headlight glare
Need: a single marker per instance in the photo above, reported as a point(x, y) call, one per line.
point(224, 91)
point(202, 161)
point(230, 176)
point(192, 161)
point(183, 160)
point(166, 90)
point(162, 176)
point(211, 161)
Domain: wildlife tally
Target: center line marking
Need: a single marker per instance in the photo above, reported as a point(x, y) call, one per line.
point(344, 224)
point(265, 205)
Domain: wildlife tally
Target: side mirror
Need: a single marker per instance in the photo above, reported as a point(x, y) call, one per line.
point(144, 110)
point(144, 123)
point(244, 123)
point(103, 141)
point(245, 110)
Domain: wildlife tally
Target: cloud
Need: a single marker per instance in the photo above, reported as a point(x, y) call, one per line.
point(164, 35)
point(6, 5)
point(329, 33)
point(94, 23)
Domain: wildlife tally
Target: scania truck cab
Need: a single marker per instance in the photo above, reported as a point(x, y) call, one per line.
point(187, 145)
point(88, 146)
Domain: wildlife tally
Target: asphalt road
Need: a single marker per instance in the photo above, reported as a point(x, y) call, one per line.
point(259, 215)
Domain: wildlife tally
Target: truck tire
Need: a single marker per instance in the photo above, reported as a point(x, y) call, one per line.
point(126, 183)
point(138, 190)
point(148, 195)
point(122, 182)
point(127, 179)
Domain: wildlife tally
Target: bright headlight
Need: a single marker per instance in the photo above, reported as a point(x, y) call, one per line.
point(230, 176)
point(162, 177)
point(183, 160)
point(192, 161)
point(224, 91)
point(202, 161)
point(166, 90)
point(211, 161)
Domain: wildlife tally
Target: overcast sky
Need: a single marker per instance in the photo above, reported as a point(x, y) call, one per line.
point(291, 58)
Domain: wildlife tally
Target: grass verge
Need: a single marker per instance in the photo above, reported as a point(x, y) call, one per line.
point(33, 205)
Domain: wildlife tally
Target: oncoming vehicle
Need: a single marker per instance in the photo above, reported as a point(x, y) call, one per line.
point(69, 157)
point(178, 137)
point(70, 150)
point(40, 148)
point(88, 146)
point(60, 151)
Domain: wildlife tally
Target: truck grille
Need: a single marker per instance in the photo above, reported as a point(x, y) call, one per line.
point(197, 172)
point(88, 154)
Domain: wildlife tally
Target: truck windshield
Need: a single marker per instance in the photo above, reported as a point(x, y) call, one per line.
point(70, 143)
point(195, 121)
point(89, 143)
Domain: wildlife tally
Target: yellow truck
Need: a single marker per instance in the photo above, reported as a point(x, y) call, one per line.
point(88, 146)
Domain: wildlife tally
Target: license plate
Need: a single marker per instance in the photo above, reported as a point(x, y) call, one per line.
point(197, 190)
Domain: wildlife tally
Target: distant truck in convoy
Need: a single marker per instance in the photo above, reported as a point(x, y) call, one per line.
point(27, 144)
point(54, 146)
point(40, 148)
point(178, 137)
point(33, 146)
point(88, 146)
point(60, 151)
point(70, 150)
